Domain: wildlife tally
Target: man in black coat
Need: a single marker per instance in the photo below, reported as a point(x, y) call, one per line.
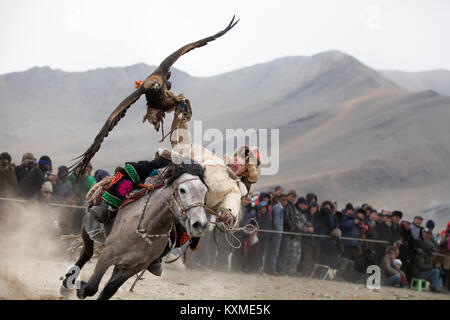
point(406, 249)
point(29, 177)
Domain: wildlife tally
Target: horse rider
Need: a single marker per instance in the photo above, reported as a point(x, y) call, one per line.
point(227, 179)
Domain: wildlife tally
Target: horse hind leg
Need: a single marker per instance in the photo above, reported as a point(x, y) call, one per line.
point(86, 254)
point(119, 277)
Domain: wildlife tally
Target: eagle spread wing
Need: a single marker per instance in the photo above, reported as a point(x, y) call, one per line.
point(162, 72)
point(164, 67)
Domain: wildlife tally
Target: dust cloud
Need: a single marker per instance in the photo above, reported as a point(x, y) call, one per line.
point(29, 236)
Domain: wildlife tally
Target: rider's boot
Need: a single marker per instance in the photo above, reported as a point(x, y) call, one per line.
point(156, 267)
point(100, 212)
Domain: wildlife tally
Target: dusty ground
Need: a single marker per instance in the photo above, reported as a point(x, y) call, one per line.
point(31, 265)
point(34, 279)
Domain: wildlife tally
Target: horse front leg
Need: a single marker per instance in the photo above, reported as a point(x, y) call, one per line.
point(91, 287)
point(86, 254)
point(119, 276)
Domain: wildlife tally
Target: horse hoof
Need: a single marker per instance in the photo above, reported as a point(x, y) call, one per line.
point(65, 292)
point(80, 290)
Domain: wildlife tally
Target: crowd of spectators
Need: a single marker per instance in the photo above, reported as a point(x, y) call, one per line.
point(34, 181)
point(294, 233)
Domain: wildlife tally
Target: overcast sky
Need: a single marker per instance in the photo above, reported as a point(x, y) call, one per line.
point(77, 35)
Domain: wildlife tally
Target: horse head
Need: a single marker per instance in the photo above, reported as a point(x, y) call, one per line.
point(187, 201)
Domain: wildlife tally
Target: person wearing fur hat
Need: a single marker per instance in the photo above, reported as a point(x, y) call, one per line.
point(8, 180)
point(29, 177)
point(311, 197)
point(46, 192)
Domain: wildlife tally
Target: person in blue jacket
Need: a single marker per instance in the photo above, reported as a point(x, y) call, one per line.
point(349, 227)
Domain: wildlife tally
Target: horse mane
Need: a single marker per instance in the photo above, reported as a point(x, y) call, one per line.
point(187, 166)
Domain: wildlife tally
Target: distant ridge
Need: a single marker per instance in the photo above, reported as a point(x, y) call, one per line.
point(346, 130)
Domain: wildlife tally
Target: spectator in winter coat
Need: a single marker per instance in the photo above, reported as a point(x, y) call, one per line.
point(294, 222)
point(349, 227)
point(391, 275)
point(424, 268)
point(430, 225)
point(29, 177)
point(46, 193)
point(383, 230)
point(416, 229)
point(395, 228)
point(406, 248)
point(263, 196)
point(275, 239)
point(264, 218)
point(363, 229)
point(324, 223)
point(82, 186)
point(301, 205)
point(311, 197)
point(45, 165)
point(250, 246)
point(62, 188)
point(239, 255)
point(101, 174)
point(278, 192)
point(310, 251)
point(8, 180)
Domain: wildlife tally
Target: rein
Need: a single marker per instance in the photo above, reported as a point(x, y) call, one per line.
point(179, 212)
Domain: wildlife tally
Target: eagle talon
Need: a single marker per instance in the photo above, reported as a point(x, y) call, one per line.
point(184, 107)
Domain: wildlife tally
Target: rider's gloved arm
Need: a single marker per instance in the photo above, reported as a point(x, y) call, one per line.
point(232, 202)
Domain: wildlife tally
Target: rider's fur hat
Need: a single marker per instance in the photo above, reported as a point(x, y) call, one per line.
point(252, 159)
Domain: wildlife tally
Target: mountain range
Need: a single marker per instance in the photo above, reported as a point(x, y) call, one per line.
point(347, 132)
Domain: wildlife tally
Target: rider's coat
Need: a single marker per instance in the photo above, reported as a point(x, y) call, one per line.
point(224, 188)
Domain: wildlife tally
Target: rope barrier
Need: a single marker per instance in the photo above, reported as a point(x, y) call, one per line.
point(53, 204)
point(321, 236)
point(249, 229)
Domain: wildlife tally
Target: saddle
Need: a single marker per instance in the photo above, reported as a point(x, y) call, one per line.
point(98, 231)
point(138, 193)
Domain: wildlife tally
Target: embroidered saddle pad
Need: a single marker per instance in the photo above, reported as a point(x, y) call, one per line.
point(98, 231)
point(138, 193)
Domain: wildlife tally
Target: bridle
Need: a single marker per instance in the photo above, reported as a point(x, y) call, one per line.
point(176, 206)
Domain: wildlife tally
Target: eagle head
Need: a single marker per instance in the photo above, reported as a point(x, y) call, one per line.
point(153, 83)
point(155, 86)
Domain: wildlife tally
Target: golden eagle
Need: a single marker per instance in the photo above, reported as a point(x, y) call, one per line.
point(160, 99)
